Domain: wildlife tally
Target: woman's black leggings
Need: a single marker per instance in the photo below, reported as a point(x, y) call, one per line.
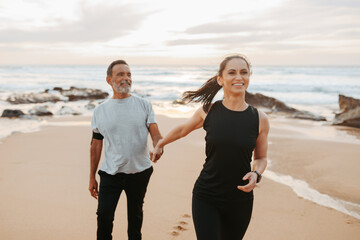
point(221, 221)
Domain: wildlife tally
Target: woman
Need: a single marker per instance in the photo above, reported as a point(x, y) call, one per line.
point(222, 195)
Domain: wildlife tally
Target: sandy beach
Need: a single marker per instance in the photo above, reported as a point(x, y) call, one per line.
point(44, 184)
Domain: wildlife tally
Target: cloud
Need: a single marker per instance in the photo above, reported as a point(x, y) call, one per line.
point(228, 39)
point(293, 25)
point(220, 27)
point(261, 42)
point(342, 3)
point(96, 23)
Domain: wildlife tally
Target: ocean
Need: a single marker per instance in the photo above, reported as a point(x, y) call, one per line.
point(314, 89)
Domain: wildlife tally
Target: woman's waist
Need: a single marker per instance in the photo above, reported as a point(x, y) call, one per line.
point(221, 189)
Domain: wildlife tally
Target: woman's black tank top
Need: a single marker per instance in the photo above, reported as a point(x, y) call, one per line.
point(230, 141)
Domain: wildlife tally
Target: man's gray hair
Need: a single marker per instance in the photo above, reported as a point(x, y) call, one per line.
point(109, 70)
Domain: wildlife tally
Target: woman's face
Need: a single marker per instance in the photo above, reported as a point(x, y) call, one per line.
point(235, 77)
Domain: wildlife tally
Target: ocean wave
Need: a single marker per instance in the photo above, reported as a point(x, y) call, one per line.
point(9, 127)
point(303, 190)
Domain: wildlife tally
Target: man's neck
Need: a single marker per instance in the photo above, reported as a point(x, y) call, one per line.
point(121, 95)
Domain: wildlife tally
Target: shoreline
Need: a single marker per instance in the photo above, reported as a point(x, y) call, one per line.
point(168, 203)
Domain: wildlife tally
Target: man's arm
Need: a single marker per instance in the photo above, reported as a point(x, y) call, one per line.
point(95, 154)
point(155, 136)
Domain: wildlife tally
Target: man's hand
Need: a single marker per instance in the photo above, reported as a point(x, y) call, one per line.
point(156, 154)
point(93, 188)
point(252, 177)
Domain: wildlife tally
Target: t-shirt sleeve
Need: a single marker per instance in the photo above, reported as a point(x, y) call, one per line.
point(94, 125)
point(150, 115)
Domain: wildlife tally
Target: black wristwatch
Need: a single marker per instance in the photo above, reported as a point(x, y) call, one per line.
point(258, 176)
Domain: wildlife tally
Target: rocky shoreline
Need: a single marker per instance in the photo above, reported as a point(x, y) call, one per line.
point(349, 114)
point(55, 95)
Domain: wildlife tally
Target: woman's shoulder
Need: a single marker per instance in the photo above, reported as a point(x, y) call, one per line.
point(262, 114)
point(213, 105)
point(264, 122)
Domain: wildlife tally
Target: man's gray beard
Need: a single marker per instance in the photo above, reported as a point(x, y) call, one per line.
point(121, 90)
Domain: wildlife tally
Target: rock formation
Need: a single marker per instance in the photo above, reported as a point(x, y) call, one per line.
point(349, 112)
point(24, 98)
point(74, 93)
point(40, 111)
point(58, 94)
point(273, 105)
point(10, 113)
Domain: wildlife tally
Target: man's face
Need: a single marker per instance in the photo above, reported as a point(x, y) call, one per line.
point(121, 78)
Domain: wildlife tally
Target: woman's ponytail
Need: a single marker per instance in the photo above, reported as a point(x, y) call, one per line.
point(205, 94)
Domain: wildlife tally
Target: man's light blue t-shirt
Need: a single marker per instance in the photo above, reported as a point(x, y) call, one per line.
point(124, 124)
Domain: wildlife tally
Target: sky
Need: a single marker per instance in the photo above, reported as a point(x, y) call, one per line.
point(187, 32)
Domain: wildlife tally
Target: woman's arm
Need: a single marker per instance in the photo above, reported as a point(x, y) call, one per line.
point(195, 122)
point(260, 153)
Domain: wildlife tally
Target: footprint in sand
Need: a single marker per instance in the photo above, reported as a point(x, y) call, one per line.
point(175, 233)
point(180, 226)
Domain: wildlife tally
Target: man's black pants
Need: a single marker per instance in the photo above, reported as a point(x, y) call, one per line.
point(111, 187)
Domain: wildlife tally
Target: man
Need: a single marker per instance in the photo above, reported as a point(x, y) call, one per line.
point(124, 122)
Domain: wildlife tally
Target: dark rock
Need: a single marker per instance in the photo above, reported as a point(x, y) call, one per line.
point(57, 89)
point(350, 112)
point(24, 98)
point(349, 118)
point(273, 105)
point(347, 103)
point(9, 113)
point(40, 111)
point(259, 100)
point(65, 110)
point(74, 93)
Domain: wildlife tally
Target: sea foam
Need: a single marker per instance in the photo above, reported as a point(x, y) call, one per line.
point(303, 190)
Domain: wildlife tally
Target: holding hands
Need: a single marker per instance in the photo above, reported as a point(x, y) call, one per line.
point(157, 152)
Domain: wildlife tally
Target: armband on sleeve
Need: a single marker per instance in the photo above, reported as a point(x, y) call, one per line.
point(97, 136)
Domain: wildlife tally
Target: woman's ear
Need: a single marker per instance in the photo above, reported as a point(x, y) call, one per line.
point(219, 80)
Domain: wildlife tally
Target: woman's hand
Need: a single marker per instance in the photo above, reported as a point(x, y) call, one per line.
point(156, 153)
point(252, 177)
